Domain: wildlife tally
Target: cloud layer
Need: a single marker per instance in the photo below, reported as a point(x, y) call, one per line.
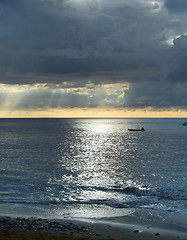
point(68, 45)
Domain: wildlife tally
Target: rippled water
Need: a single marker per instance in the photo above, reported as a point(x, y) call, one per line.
point(69, 165)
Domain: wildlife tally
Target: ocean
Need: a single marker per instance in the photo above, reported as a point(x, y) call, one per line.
point(61, 168)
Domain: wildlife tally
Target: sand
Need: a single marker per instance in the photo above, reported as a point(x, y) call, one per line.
point(146, 225)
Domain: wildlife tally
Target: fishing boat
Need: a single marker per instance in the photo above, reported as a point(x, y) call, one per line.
point(141, 129)
point(184, 124)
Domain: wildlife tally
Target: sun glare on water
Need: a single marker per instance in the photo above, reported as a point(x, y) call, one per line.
point(100, 128)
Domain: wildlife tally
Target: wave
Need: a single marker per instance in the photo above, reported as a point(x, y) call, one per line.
point(118, 197)
point(146, 191)
point(110, 202)
point(149, 203)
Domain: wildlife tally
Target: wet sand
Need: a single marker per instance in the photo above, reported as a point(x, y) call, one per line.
point(140, 225)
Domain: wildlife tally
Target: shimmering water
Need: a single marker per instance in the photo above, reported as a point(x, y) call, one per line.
point(73, 167)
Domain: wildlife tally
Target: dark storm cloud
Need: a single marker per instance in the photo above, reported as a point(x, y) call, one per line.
point(178, 70)
point(97, 41)
point(156, 94)
point(62, 37)
point(176, 6)
point(181, 43)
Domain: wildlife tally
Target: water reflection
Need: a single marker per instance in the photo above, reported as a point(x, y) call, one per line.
point(100, 128)
point(88, 157)
point(99, 157)
point(94, 162)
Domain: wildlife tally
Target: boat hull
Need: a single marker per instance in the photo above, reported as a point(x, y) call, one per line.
point(136, 130)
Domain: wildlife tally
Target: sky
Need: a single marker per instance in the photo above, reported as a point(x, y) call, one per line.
point(93, 58)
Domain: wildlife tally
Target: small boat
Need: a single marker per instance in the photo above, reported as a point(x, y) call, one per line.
point(141, 129)
point(184, 124)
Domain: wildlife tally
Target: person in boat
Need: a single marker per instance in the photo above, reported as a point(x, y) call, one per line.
point(142, 129)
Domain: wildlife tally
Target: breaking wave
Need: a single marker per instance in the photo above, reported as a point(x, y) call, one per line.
point(130, 197)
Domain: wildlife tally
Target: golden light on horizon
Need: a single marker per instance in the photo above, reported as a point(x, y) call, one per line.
point(99, 112)
point(59, 101)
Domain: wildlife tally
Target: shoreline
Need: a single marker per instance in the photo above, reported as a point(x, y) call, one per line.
point(136, 226)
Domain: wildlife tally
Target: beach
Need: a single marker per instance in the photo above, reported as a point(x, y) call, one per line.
point(139, 225)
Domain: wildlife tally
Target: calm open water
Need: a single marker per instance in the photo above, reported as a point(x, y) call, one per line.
point(72, 167)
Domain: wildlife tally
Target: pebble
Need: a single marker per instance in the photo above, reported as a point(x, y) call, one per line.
point(42, 225)
point(157, 234)
point(98, 235)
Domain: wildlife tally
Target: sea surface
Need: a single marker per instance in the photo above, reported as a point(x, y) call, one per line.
point(63, 168)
